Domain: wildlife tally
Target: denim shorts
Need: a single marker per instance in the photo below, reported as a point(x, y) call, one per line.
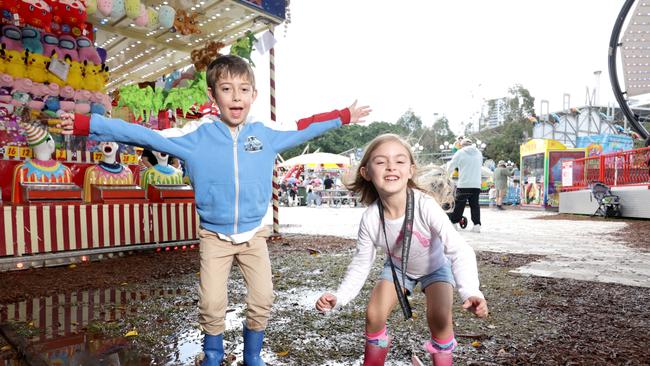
point(442, 274)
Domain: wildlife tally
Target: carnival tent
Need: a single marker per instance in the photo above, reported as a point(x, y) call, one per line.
point(318, 160)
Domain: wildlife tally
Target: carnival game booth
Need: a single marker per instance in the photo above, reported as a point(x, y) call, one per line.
point(541, 171)
point(72, 199)
point(627, 173)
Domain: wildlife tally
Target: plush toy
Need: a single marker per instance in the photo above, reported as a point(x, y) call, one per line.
point(37, 67)
point(37, 13)
point(143, 18)
point(132, 8)
point(244, 46)
point(118, 10)
point(16, 63)
point(185, 23)
point(32, 40)
point(166, 15)
point(12, 38)
point(20, 92)
point(94, 80)
point(91, 7)
point(66, 100)
point(7, 10)
point(50, 44)
point(68, 48)
point(82, 101)
point(38, 92)
point(69, 17)
point(152, 14)
point(102, 54)
point(76, 75)
point(105, 75)
point(96, 106)
point(104, 7)
point(87, 52)
point(201, 57)
point(6, 86)
point(3, 61)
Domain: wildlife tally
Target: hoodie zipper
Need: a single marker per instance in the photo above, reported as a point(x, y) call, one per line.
point(235, 159)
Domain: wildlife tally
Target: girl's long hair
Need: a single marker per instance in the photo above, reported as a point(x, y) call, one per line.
point(438, 187)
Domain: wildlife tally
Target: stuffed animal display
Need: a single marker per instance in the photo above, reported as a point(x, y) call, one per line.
point(201, 57)
point(185, 23)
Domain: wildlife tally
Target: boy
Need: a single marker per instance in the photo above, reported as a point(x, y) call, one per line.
point(230, 163)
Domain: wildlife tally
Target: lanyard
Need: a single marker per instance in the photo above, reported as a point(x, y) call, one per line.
point(407, 230)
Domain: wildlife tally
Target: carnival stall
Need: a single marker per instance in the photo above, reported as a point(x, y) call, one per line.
point(66, 199)
point(541, 171)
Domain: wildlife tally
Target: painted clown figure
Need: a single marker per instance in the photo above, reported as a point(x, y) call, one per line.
point(108, 172)
point(161, 173)
point(42, 168)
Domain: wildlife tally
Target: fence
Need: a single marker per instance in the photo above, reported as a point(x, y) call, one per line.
point(631, 167)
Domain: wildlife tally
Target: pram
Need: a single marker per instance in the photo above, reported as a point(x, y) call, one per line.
point(608, 204)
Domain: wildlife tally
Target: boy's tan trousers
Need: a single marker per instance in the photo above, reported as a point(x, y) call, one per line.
point(216, 260)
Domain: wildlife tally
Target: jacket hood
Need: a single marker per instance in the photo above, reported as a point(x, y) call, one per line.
point(470, 150)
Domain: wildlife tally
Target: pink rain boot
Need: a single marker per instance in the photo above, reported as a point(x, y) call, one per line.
point(375, 355)
point(377, 346)
point(441, 357)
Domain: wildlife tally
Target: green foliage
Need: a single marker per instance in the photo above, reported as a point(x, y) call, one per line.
point(410, 122)
point(244, 46)
point(503, 142)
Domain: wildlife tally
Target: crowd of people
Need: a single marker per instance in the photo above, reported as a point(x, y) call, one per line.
point(313, 188)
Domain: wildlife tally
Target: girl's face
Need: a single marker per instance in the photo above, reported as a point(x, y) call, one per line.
point(389, 168)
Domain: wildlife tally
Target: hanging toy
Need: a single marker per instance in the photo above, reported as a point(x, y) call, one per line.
point(166, 15)
point(244, 46)
point(104, 7)
point(118, 10)
point(152, 15)
point(86, 51)
point(68, 48)
point(185, 23)
point(132, 8)
point(12, 38)
point(91, 7)
point(143, 18)
point(50, 44)
point(32, 40)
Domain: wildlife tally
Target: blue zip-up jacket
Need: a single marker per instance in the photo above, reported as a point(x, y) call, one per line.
point(232, 179)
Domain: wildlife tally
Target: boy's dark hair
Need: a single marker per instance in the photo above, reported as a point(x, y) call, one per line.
point(228, 65)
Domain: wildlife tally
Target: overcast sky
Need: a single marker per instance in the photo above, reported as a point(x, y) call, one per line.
point(441, 57)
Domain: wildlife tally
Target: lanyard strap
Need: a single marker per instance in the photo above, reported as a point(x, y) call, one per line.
point(407, 230)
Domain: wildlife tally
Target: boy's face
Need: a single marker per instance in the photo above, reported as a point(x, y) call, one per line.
point(234, 97)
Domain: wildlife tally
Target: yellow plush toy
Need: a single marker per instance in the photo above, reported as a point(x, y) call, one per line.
point(76, 75)
point(37, 67)
point(3, 61)
point(94, 81)
point(105, 75)
point(16, 64)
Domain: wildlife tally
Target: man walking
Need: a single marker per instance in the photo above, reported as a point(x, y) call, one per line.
point(468, 160)
point(501, 174)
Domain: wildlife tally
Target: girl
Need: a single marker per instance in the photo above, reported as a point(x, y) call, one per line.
point(399, 209)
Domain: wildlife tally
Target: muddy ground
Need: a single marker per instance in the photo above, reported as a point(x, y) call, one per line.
point(533, 320)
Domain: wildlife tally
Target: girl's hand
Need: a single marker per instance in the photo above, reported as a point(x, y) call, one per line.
point(357, 113)
point(67, 123)
point(326, 302)
point(476, 305)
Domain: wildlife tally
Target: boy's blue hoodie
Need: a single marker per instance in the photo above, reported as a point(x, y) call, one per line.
point(232, 179)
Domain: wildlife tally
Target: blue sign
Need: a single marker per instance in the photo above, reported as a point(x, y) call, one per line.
point(608, 142)
point(276, 8)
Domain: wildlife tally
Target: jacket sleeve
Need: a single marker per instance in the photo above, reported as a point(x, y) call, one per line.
point(453, 164)
point(308, 128)
point(358, 269)
point(101, 128)
point(461, 255)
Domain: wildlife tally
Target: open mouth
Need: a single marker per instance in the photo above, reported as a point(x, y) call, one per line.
point(236, 112)
point(108, 149)
point(163, 155)
point(391, 178)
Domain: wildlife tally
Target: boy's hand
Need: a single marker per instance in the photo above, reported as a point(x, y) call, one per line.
point(476, 305)
point(67, 123)
point(357, 113)
point(326, 302)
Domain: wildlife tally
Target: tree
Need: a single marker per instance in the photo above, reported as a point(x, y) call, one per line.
point(442, 132)
point(410, 122)
point(503, 141)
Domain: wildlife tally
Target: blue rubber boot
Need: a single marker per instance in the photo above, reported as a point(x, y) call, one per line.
point(253, 347)
point(213, 350)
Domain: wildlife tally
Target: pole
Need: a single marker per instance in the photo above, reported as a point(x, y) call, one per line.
point(276, 183)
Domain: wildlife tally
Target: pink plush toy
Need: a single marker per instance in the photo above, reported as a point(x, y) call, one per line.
point(87, 51)
point(12, 38)
point(105, 7)
point(67, 98)
point(20, 92)
point(6, 86)
point(50, 44)
point(38, 92)
point(82, 101)
point(106, 101)
point(68, 48)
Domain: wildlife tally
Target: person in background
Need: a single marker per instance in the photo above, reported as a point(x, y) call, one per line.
point(328, 182)
point(469, 161)
point(492, 195)
point(501, 175)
